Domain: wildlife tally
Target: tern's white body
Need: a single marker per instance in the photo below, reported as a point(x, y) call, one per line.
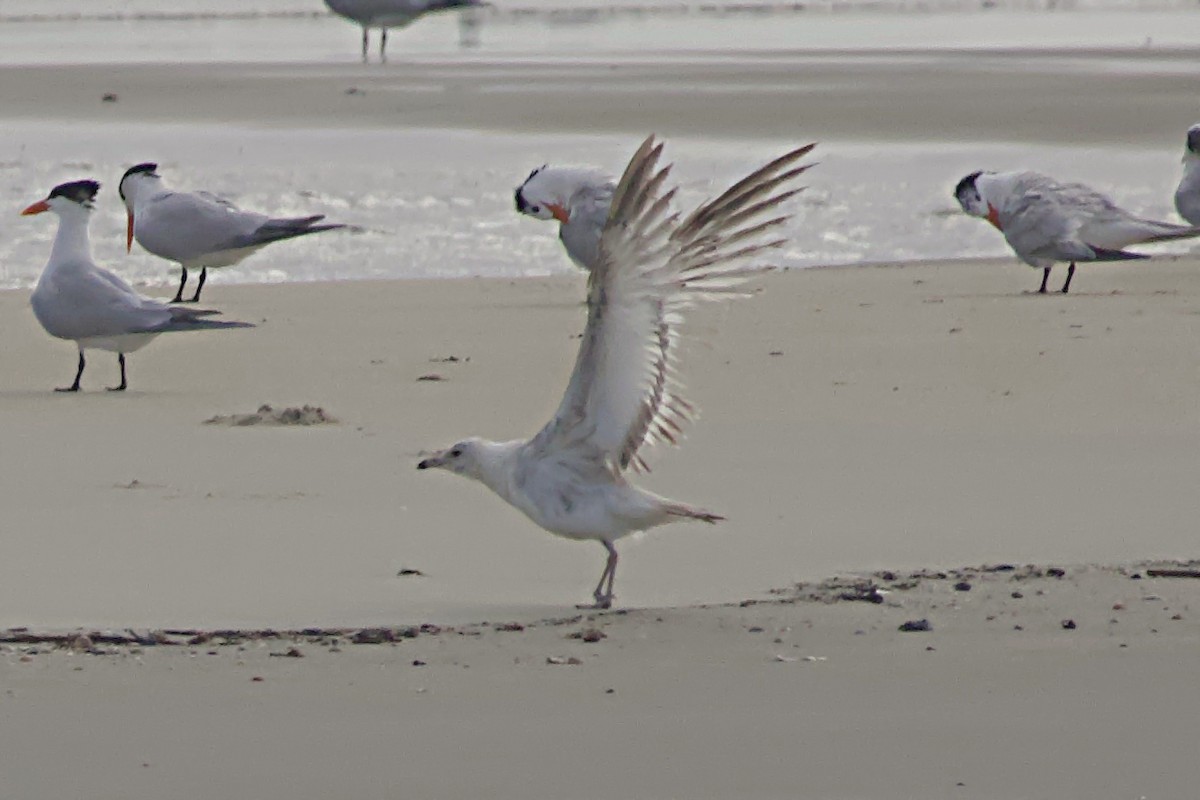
point(623, 395)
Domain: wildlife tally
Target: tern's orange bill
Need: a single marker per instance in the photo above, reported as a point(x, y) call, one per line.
point(994, 216)
point(559, 212)
point(36, 208)
point(129, 233)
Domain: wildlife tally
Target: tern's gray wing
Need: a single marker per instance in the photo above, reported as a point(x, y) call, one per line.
point(1187, 196)
point(624, 392)
point(581, 235)
point(182, 226)
point(186, 226)
point(391, 13)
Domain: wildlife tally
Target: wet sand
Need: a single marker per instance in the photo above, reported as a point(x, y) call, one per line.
point(986, 96)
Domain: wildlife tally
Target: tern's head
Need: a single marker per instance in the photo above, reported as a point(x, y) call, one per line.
point(548, 191)
point(138, 181)
point(968, 196)
point(1192, 144)
point(76, 197)
point(135, 180)
point(465, 458)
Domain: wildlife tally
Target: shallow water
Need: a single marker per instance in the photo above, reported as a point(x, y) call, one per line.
point(440, 203)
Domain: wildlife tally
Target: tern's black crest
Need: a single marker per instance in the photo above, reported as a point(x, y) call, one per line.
point(82, 192)
point(1193, 139)
point(147, 168)
point(965, 183)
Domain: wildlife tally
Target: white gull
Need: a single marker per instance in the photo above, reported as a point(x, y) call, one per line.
point(624, 393)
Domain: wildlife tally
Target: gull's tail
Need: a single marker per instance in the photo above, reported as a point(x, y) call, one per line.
point(688, 512)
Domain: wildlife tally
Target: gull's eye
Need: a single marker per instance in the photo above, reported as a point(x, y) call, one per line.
point(456, 452)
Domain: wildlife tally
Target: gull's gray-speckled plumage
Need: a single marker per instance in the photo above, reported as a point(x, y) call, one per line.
point(624, 393)
point(1187, 195)
point(1046, 221)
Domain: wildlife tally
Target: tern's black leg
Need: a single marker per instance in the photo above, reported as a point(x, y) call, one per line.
point(121, 388)
point(365, 39)
point(1045, 277)
point(1070, 274)
point(383, 47)
point(200, 285)
point(178, 298)
point(74, 387)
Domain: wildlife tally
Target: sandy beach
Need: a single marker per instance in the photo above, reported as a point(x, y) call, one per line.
point(959, 559)
point(917, 417)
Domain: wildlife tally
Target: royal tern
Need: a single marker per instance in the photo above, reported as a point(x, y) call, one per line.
point(198, 229)
point(1046, 221)
point(578, 197)
point(384, 14)
point(1187, 196)
point(624, 394)
point(77, 300)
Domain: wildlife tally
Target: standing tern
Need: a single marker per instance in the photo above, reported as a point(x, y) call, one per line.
point(76, 299)
point(1046, 221)
point(624, 393)
point(578, 197)
point(384, 14)
point(199, 229)
point(1187, 196)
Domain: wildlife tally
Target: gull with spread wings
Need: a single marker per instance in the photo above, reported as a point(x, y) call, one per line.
point(624, 393)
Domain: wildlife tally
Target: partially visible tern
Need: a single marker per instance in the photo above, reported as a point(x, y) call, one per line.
point(1187, 196)
point(579, 198)
point(384, 14)
point(624, 393)
point(76, 299)
point(199, 229)
point(1046, 222)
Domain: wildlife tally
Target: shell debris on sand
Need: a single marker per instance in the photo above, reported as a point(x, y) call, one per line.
point(267, 415)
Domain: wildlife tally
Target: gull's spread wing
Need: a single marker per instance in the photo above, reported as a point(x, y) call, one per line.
point(624, 392)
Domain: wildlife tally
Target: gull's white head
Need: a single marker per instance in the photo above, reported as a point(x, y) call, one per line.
point(68, 199)
point(135, 183)
point(548, 191)
point(1191, 148)
point(465, 458)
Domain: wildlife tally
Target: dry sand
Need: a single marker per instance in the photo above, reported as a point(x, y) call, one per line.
point(904, 418)
point(919, 416)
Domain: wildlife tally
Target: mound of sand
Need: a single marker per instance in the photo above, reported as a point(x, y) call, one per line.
point(266, 415)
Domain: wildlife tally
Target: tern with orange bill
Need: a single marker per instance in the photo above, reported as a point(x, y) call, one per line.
point(77, 300)
point(1047, 222)
point(624, 393)
point(199, 230)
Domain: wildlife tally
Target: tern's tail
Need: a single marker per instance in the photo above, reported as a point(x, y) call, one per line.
point(194, 319)
point(273, 230)
point(681, 510)
point(1166, 231)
